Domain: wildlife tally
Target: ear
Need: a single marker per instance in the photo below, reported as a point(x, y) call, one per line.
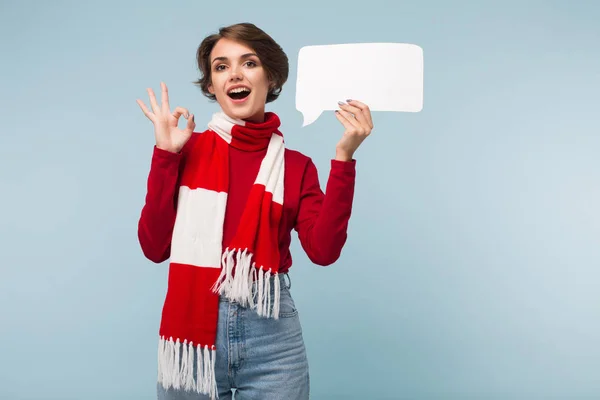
point(211, 90)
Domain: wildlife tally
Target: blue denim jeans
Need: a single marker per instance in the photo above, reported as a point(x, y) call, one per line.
point(262, 358)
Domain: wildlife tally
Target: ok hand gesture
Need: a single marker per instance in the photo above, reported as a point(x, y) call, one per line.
point(168, 136)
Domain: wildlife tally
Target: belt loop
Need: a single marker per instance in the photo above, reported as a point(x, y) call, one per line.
point(289, 279)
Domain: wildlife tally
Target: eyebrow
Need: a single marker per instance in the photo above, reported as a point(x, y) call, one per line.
point(247, 55)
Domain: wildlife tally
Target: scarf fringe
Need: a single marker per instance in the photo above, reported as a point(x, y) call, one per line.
point(238, 287)
point(176, 367)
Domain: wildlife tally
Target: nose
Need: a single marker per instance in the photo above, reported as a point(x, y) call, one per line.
point(235, 73)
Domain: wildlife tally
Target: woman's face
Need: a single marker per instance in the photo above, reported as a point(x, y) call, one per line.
point(238, 80)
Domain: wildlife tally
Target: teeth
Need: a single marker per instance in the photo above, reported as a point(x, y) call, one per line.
point(239, 90)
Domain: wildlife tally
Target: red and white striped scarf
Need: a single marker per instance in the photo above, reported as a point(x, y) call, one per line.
point(199, 270)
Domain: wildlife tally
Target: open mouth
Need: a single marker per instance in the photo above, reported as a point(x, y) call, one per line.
point(239, 93)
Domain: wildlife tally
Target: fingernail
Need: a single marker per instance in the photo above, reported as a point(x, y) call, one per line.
point(337, 112)
point(349, 100)
point(341, 103)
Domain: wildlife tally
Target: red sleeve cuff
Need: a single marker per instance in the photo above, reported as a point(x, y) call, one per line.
point(165, 158)
point(347, 167)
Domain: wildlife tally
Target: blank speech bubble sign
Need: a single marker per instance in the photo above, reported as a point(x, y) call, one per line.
point(384, 76)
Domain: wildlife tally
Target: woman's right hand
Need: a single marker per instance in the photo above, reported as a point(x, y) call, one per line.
point(168, 136)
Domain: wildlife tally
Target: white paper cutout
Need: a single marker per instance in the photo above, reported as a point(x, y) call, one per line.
point(385, 76)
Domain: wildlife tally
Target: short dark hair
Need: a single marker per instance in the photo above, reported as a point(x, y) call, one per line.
point(271, 55)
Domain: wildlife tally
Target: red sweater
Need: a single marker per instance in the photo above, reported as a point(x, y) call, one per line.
point(321, 220)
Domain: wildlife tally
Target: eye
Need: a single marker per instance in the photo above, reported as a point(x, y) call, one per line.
point(251, 63)
point(219, 67)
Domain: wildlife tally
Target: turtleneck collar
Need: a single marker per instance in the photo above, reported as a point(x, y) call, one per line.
point(245, 135)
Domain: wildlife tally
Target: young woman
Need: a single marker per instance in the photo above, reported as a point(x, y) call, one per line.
point(221, 204)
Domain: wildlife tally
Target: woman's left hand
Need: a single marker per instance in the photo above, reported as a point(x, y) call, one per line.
point(356, 118)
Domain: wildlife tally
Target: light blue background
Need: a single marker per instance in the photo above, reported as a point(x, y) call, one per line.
point(472, 269)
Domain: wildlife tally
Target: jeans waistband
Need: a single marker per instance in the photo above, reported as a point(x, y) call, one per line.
point(282, 284)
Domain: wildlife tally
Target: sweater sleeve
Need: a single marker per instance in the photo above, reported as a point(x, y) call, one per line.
point(157, 219)
point(322, 220)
